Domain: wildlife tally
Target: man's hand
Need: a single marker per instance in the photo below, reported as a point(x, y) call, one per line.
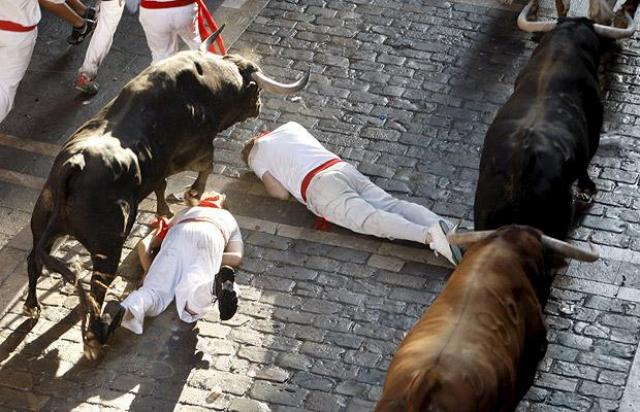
point(273, 187)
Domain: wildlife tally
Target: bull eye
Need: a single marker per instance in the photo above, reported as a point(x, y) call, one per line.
point(198, 68)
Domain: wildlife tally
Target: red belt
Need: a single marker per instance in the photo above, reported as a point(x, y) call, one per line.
point(150, 4)
point(11, 26)
point(311, 174)
point(204, 19)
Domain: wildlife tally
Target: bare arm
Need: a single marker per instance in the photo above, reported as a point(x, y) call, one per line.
point(233, 253)
point(145, 249)
point(273, 187)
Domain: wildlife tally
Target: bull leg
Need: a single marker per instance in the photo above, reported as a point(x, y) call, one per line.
point(562, 7)
point(629, 6)
point(197, 188)
point(601, 11)
point(162, 208)
point(39, 220)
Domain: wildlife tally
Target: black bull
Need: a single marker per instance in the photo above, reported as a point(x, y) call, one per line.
point(544, 137)
point(161, 123)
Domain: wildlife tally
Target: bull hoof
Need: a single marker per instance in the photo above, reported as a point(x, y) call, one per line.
point(33, 313)
point(192, 197)
point(583, 201)
point(92, 347)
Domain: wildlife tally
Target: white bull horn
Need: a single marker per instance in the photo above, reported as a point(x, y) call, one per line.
point(615, 32)
point(204, 46)
point(533, 26)
point(570, 251)
point(270, 85)
point(465, 238)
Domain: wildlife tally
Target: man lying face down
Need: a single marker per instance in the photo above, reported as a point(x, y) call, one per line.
point(190, 258)
point(289, 160)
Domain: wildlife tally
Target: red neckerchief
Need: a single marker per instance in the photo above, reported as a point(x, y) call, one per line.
point(210, 202)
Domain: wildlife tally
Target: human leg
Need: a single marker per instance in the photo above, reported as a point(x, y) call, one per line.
point(155, 294)
point(380, 199)
point(161, 39)
point(186, 26)
point(16, 50)
point(108, 20)
point(332, 196)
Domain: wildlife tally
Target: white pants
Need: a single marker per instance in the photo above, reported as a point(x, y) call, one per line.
point(344, 196)
point(162, 27)
point(184, 268)
point(16, 49)
point(109, 15)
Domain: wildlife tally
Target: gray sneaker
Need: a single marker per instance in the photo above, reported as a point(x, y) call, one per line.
point(441, 245)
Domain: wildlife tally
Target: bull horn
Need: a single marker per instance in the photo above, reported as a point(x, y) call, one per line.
point(273, 86)
point(570, 251)
point(204, 46)
point(464, 238)
point(533, 26)
point(615, 32)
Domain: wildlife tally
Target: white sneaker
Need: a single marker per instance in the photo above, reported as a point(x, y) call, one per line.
point(440, 244)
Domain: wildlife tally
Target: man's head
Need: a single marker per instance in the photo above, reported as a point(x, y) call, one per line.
point(248, 146)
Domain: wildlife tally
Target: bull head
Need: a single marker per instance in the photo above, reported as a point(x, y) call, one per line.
point(595, 13)
point(563, 248)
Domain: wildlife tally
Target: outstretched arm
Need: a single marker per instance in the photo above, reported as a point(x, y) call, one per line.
point(146, 249)
point(274, 187)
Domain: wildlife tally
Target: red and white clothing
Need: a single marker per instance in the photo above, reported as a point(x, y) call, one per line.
point(289, 153)
point(109, 15)
point(339, 193)
point(18, 33)
point(164, 21)
point(184, 269)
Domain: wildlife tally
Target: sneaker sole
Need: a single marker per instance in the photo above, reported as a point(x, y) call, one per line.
point(227, 304)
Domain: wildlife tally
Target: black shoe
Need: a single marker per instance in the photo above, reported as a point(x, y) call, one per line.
point(78, 34)
point(90, 13)
point(227, 296)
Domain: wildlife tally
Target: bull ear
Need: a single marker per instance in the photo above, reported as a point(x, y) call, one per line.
point(204, 47)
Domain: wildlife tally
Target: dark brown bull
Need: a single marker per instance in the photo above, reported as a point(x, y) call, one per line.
point(162, 122)
point(477, 346)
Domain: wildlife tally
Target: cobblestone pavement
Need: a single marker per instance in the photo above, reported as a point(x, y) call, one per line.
point(404, 90)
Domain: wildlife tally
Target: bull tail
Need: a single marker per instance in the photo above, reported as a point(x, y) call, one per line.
point(42, 257)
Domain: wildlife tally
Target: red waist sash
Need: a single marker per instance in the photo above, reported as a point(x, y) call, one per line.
point(11, 26)
point(311, 174)
point(150, 4)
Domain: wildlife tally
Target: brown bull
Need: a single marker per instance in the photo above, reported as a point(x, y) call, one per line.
point(477, 346)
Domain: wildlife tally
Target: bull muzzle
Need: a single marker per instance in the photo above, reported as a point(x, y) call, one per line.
point(543, 26)
point(273, 86)
point(558, 246)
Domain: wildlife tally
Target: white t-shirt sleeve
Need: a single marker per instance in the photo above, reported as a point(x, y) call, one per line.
point(235, 234)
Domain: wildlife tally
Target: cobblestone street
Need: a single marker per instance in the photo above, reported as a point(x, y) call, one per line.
point(404, 90)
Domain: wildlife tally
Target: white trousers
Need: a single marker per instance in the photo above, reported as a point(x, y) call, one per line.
point(109, 15)
point(344, 196)
point(16, 49)
point(162, 27)
point(184, 269)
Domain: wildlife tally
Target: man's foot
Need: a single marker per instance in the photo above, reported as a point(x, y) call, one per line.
point(86, 84)
point(440, 244)
point(225, 291)
point(78, 34)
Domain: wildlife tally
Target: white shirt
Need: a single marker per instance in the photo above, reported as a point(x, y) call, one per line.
point(288, 153)
point(23, 12)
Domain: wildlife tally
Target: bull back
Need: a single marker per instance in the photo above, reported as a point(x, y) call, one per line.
point(466, 352)
point(543, 138)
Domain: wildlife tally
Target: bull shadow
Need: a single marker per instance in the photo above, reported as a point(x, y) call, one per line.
point(147, 372)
